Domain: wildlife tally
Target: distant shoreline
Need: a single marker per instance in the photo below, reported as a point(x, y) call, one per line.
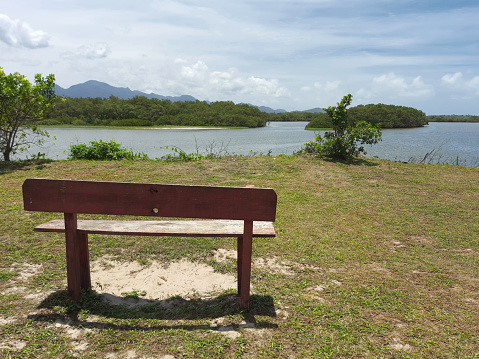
point(146, 127)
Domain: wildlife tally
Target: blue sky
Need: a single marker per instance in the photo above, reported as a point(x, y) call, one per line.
point(294, 55)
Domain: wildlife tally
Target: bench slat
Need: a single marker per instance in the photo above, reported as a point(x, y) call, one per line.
point(147, 199)
point(195, 228)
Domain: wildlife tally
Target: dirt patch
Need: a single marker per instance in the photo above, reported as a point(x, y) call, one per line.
point(26, 270)
point(120, 282)
point(132, 354)
point(397, 345)
point(4, 321)
point(376, 267)
point(272, 264)
point(13, 344)
point(225, 327)
point(422, 241)
point(156, 281)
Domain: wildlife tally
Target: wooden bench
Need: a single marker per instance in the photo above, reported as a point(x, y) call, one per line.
point(243, 213)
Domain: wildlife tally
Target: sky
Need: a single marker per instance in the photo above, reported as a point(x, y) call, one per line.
point(292, 55)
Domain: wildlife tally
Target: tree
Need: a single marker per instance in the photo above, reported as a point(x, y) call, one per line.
point(22, 104)
point(346, 141)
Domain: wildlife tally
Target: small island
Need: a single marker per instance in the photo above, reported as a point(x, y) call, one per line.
point(389, 116)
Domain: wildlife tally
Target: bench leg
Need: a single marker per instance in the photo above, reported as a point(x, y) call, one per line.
point(84, 258)
point(245, 247)
point(78, 265)
point(239, 261)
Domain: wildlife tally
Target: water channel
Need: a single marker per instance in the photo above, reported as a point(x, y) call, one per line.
point(444, 142)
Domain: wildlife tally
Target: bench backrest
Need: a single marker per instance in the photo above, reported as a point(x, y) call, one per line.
point(142, 199)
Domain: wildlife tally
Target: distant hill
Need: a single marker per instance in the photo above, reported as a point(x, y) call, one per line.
point(270, 110)
point(266, 109)
point(95, 89)
point(315, 110)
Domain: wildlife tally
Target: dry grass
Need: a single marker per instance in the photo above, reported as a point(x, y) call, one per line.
point(385, 257)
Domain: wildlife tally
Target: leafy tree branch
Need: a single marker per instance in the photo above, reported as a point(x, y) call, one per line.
point(22, 105)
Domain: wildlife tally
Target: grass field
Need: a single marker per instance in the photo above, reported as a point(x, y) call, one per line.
point(379, 259)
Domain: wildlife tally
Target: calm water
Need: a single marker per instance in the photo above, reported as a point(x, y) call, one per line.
point(449, 141)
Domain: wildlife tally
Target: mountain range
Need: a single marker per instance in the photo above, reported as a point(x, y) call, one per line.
point(95, 89)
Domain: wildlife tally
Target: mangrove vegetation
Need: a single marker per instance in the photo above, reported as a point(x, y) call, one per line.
point(453, 118)
point(388, 116)
point(141, 111)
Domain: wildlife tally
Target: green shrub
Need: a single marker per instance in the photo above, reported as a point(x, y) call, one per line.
point(346, 140)
point(103, 151)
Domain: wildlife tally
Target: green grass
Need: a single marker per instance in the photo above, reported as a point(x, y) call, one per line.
point(385, 258)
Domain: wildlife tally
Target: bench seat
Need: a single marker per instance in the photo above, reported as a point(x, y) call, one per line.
point(188, 228)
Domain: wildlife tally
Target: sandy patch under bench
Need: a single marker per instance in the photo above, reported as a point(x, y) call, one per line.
point(159, 281)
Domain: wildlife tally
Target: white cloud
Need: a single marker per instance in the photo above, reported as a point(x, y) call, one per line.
point(20, 34)
point(323, 93)
point(94, 51)
point(91, 51)
point(260, 86)
point(180, 61)
point(328, 86)
point(452, 79)
point(231, 82)
point(474, 83)
point(458, 83)
point(196, 74)
point(392, 87)
point(228, 82)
